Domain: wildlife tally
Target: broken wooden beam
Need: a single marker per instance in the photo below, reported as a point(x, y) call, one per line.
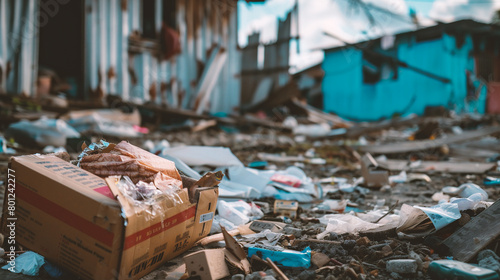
point(438, 166)
point(413, 146)
point(466, 242)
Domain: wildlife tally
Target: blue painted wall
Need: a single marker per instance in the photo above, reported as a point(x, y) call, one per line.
point(346, 95)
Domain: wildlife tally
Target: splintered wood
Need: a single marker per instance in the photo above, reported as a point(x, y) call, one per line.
point(469, 240)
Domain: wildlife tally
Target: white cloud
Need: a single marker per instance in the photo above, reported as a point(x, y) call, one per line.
point(267, 26)
point(451, 10)
point(346, 21)
point(338, 17)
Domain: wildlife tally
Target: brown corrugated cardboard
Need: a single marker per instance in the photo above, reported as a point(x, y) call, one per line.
point(259, 226)
point(287, 208)
point(69, 216)
point(373, 174)
point(235, 255)
point(207, 264)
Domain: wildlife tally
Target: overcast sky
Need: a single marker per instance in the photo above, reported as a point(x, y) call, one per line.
point(343, 19)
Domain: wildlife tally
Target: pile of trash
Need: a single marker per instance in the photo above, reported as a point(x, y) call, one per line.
point(412, 198)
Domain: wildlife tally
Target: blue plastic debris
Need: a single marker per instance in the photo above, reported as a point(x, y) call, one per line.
point(286, 258)
point(52, 270)
point(491, 181)
point(28, 263)
point(101, 145)
point(448, 269)
point(258, 164)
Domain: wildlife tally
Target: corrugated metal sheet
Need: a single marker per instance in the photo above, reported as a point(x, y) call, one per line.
point(346, 93)
point(19, 22)
point(140, 76)
point(202, 28)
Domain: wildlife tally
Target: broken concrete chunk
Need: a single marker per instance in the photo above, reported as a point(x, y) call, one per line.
point(373, 174)
point(320, 259)
point(386, 251)
point(403, 266)
point(363, 241)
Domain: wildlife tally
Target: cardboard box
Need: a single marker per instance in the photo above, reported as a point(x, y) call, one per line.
point(208, 264)
point(70, 216)
point(259, 226)
point(287, 208)
point(373, 173)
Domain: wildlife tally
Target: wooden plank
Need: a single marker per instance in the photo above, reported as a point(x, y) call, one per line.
point(412, 146)
point(320, 116)
point(439, 166)
point(276, 98)
point(365, 128)
point(469, 240)
point(262, 91)
point(209, 79)
point(485, 144)
point(464, 151)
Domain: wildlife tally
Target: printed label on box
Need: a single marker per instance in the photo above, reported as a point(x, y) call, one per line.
point(206, 217)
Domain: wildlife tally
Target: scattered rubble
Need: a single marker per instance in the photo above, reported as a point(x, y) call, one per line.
point(298, 205)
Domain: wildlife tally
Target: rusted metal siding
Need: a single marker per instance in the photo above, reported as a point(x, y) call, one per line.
point(113, 67)
point(19, 22)
point(142, 77)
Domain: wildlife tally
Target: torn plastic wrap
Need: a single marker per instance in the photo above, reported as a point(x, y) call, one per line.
point(42, 132)
point(332, 204)
point(218, 222)
point(286, 188)
point(103, 124)
point(204, 155)
point(264, 238)
point(239, 212)
point(148, 182)
point(243, 182)
point(466, 190)
point(227, 189)
point(347, 223)
point(125, 159)
point(147, 197)
point(92, 149)
point(28, 263)
point(442, 214)
point(420, 221)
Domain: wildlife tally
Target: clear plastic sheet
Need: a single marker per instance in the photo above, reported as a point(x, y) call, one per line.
point(148, 197)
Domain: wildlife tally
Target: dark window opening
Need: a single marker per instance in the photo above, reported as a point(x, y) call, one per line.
point(148, 19)
point(61, 50)
point(484, 65)
point(377, 67)
point(169, 13)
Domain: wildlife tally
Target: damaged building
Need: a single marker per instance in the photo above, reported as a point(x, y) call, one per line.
point(180, 53)
point(454, 65)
